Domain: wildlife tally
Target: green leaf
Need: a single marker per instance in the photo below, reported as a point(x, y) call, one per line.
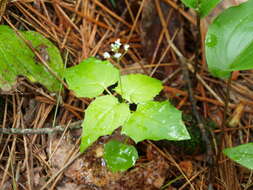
point(229, 41)
point(206, 7)
point(113, 3)
point(137, 88)
point(190, 3)
point(119, 156)
point(102, 117)
point(39, 72)
point(16, 58)
point(155, 121)
point(91, 77)
point(242, 154)
point(203, 7)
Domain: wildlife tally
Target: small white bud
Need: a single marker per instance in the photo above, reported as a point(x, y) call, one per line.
point(114, 48)
point(116, 45)
point(117, 42)
point(126, 47)
point(117, 55)
point(106, 55)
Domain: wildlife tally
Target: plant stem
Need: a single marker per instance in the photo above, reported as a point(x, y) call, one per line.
point(197, 46)
point(120, 82)
point(172, 181)
point(59, 98)
point(226, 102)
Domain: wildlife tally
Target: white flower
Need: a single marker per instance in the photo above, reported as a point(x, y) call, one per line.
point(117, 42)
point(106, 55)
point(114, 48)
point(126, 47)
point(117, 55)
point(116, 45)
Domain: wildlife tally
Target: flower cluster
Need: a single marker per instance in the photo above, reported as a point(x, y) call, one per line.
point(115, 48)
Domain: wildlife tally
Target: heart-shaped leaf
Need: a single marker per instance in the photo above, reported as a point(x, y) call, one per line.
point(242, 154)
point(155, 121)
point(91, 77)
point(203, 7)
point(119, 156)
point(229, 41)
point(102, 117)
point(137, 88)
point(16, 58)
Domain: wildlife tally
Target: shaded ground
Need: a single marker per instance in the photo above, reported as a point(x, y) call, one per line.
point(86, 28)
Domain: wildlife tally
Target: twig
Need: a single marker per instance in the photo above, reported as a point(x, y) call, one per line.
point(41, 131)
point(201, 124)
point(181, 10)
point(3, 4)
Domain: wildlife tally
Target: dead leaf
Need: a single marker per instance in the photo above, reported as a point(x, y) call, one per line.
point(187, 167)
point(61, 154)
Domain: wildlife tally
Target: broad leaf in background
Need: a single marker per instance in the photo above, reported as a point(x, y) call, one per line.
point(206, 7)
point(91, 77)
point(155, 121)
point(242, 154)
point(39, 73)
point(203, 7)
point(229, 41)
point(119, 156)
point(102, 117)
point(16, 58)
point(137, 88)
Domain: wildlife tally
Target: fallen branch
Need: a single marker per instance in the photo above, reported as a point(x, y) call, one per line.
point(41, 131)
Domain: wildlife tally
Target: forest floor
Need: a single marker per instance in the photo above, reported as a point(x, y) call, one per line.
point(84, 28)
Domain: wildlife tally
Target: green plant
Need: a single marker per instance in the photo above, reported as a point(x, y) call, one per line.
point(229, 41)
point(152, 120)
point(202, 7)
point(229, 47)
point(119, 156)
point(242, 154)
point(16, 58)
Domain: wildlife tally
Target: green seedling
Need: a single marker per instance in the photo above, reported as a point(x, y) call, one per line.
point(152, 120)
